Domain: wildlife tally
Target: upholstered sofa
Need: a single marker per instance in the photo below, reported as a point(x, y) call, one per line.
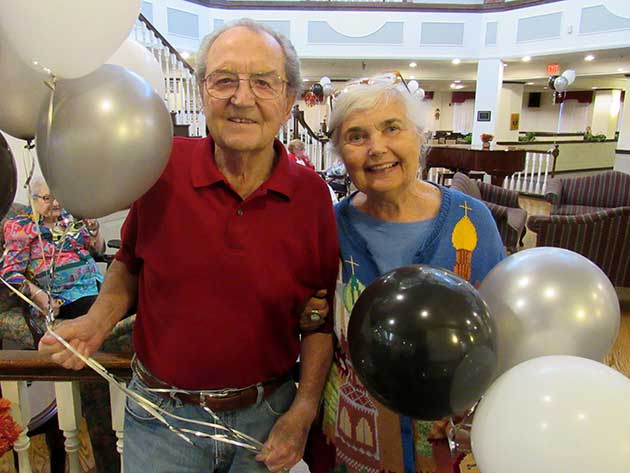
point(583, 195)
point(503, 205)
point(591, 216)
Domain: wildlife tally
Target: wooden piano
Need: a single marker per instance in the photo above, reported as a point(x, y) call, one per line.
point(497, 163)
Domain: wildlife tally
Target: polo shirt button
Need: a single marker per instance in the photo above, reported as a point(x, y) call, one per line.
point(240, 212)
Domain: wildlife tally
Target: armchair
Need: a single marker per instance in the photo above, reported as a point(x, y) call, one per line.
point(503, 205)
point(602, 236)
point(582, 195)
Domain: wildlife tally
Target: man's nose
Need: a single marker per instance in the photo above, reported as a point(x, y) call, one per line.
point(244, 95)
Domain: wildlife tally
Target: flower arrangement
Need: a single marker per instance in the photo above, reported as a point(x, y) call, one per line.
point(487, 137)
point(9, 430)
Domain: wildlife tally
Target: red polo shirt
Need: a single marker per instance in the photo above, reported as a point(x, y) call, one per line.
point(222, 280)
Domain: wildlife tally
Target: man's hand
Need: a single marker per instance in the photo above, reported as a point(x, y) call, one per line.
point(83, 333)
point(286, 442)
point(315, 312)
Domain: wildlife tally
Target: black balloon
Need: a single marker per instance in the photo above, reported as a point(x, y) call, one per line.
point(8, 177)
point(551, 81)
point(318, 90)
point(422, 342)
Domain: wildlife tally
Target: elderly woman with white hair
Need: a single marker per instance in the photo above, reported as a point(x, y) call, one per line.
point(393, 219)
point(31, 240)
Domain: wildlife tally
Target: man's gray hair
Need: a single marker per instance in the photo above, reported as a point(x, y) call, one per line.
point(367, 97)
point(291, 61)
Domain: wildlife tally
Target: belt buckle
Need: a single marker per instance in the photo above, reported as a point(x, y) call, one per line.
point(203, 395)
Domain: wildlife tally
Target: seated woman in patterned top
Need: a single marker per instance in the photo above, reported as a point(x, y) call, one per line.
point(27, 261)
point(75, 287)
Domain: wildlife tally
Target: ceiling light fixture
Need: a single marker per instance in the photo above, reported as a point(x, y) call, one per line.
point(529, 83)
point(526, 58)
point(456, 61)
point(459, 86)
point(589, 58)
point(457, 81)
point(305, 79)
point(185, 54)
point(621, 69)
point(413, 64)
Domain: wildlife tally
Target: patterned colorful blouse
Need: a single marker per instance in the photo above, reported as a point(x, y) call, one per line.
point(75, 274)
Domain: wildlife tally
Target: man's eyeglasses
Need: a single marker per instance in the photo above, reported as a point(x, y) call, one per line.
point(264, 86)
point(46, 198)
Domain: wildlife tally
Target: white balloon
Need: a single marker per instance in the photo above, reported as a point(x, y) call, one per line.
point(137, 58)
point(21, 95)
point(324, 81)
point(554, 414)
point(569, 74)
point(69, 37)
point(413, 85)
point(419, 93)
point(328, 90)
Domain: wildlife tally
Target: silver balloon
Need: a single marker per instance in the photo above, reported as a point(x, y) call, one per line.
point(21, 95)
point(108, 142)
point(419, 93)
point(560, 84)
point(328, 89)
point(8, 177)
point(550, 301)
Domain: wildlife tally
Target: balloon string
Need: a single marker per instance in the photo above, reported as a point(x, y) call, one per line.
point(232, 436)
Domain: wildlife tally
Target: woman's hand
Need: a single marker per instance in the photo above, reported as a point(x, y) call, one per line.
point(315, 312)
point(42, 300)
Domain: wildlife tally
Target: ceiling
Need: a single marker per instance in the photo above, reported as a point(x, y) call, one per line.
point(605, 71)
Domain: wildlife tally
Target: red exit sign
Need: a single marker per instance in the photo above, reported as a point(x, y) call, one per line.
point(553, 69)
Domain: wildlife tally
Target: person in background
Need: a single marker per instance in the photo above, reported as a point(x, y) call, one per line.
point(296, 153)
point(221, 256)
point(74, 289)
point(392, 220)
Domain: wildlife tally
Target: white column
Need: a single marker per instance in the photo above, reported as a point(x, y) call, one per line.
point(622, 159)
point(605, 112)
point(487, 95)
point(510, 103)
point(69, 415)
point(17, 394)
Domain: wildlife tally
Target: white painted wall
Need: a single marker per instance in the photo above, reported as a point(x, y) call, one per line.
point(606, 107)
point(575, 116)
point(510, 101)
point(473, 47)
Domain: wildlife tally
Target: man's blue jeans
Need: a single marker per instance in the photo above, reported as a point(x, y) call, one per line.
point(149, 446)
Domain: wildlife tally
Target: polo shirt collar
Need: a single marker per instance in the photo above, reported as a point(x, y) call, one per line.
point(205, 173)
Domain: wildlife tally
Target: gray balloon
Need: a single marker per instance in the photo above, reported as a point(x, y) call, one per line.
point(550, 301)
point(8, 177)
point(21, 95)
point(108, 141)
point(560, 84)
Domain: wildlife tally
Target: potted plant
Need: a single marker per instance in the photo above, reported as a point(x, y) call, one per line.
point(486, 138)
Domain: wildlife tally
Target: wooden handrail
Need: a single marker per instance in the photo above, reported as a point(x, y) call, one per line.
point(298, 116)
point(165, 42)
point(31, 365)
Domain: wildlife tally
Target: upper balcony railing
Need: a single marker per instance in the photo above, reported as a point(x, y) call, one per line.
point(473, 6)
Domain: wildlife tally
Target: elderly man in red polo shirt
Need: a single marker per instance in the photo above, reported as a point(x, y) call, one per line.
point(221, 255)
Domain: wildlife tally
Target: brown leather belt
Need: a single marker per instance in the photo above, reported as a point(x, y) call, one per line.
point(219, 400)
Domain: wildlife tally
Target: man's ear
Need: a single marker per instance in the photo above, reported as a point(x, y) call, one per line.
point(290, 102)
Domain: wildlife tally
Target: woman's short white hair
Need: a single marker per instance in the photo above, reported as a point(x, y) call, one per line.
point(366, 97)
